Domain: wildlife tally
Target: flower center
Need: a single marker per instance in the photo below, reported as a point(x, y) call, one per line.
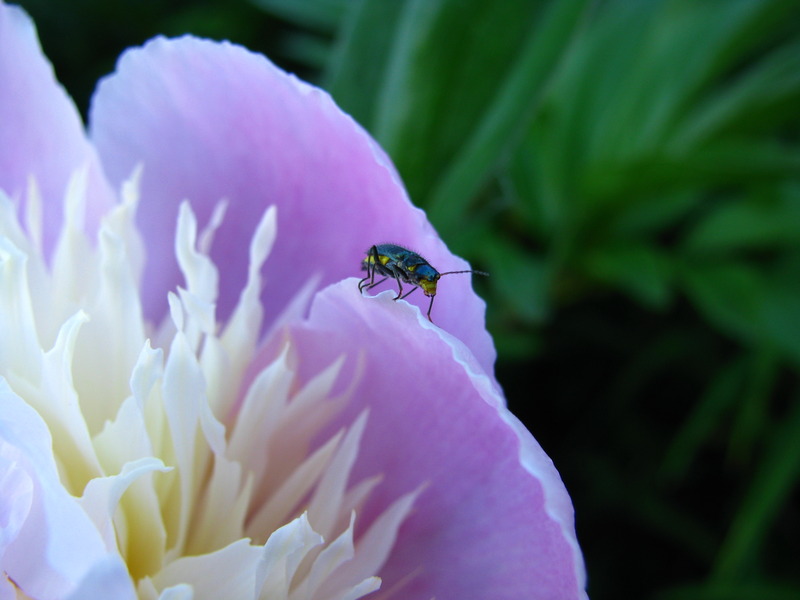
point(192, 472)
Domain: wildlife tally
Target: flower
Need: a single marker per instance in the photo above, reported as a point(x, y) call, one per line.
point(217, 412)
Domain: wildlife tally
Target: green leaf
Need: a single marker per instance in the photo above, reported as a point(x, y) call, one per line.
point(753, 305)
point(778, 474)
point(360, 61)
point(605, 133)
point(448, 59)
point(635, 267)
point(537, 190)
point(510, 111)
point(678, 49)
point(749, 427)
point(757, 222)
point(445, 84)
point(520, 280)
point(516, 344)
point(316, 15)
point(763, 96)
point(722, 392)
point(307, 49)
point(779, 314)
point(757, 590)
point(648, 510)
point(652, 215)
point(728, 162)
point(729, 294)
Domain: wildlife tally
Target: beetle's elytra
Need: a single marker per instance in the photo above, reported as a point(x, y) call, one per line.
point(405, 266)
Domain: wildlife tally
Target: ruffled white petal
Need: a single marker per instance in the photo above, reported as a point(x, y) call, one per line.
point(57, 546)
point(282, 555)
point(226, 573)
point(102, 496)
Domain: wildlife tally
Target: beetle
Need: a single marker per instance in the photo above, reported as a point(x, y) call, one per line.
point(405, 266)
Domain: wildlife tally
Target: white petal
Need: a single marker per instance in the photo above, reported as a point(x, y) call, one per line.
point(338, 552)
point(300, 482)
point(374, 546)
point(181, 591)
point(221, 516)
point(33, 214)
point(17, 323)
point(200, 313)
point(207, 235)
point(357, 494)
point(102, 496)
point(74, 264)
point(309, 410)
point(243, 328)
point(52, 394)
point(186, 408)
point(324, 509)
point(109, 344)
point(359, 590)
point(8, 590)
point(107, 579)
point(256, 419)
point(281, 557)
point(201, 275)
point(16, 497)
point(58, 545)
point(175, 311)
point(227, 573)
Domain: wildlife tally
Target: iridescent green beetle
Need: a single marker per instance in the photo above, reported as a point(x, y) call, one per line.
point(405, 266)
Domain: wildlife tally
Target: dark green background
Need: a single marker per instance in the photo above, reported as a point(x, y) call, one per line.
point(629, 173)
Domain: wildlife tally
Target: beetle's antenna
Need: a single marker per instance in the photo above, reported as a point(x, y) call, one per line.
point(457, 272)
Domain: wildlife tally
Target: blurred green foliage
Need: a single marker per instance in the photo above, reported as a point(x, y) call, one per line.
point(629, 172)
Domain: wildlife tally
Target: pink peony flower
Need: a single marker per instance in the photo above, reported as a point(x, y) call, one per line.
point(219, 413)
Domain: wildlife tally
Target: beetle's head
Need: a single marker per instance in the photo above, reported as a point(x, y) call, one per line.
point(426, 278)
point(428, 285)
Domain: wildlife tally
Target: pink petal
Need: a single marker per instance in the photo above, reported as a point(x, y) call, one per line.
point(494, 520)
point(210, 121)
point(53, 544)
point(41, 134)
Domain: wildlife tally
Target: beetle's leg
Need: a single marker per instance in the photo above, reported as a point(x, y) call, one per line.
point(372, 285)
point(399, 290)
point(370, 276)
point(407, 294)
point(430, 306)
point(370, 267)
